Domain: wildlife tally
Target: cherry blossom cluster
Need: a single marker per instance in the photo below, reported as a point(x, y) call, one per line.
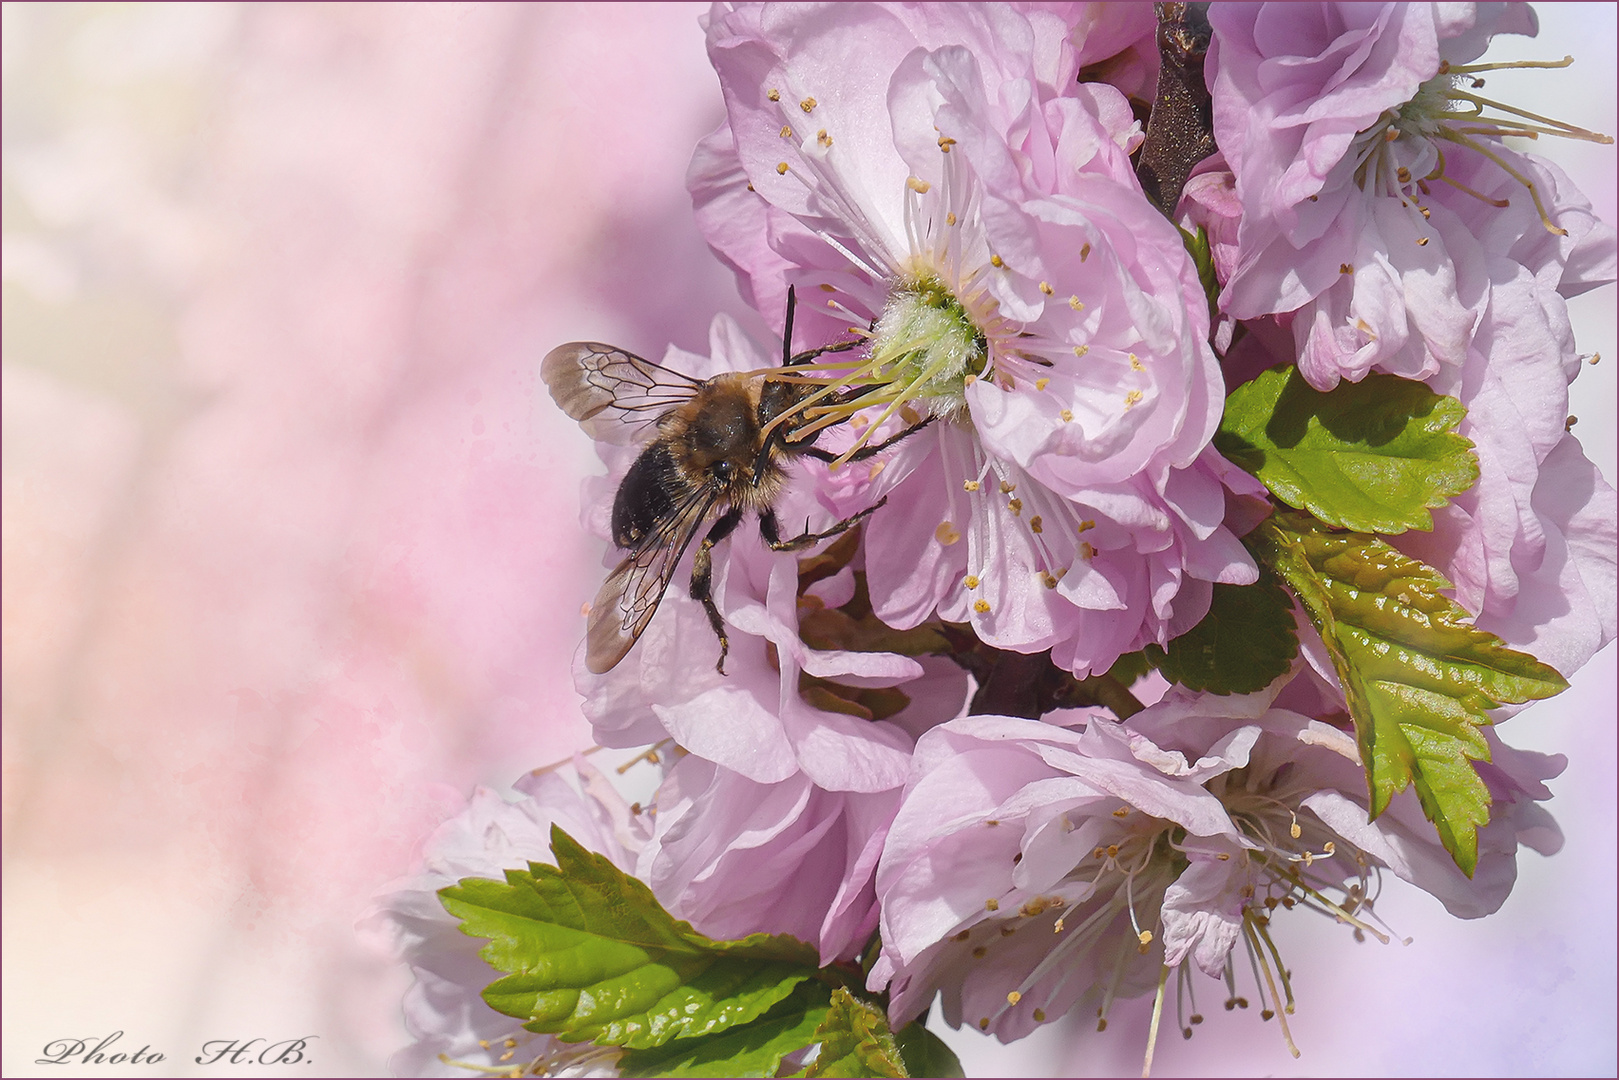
point(962, 201)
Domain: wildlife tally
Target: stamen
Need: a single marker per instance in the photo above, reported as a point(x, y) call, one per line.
point(1157, 1014)
point(1281, 1019)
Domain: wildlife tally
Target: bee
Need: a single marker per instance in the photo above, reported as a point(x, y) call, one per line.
point(710, 460)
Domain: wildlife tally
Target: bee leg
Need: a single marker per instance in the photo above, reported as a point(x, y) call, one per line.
point(702, 577)
point(865, 451)
point(771, 530)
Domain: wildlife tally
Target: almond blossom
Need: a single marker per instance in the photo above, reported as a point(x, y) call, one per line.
point(1368, 161)
point(1032, 869)
point(455, 1032)
point(962, 197)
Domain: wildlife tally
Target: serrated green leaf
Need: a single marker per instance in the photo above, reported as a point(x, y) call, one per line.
point(855, 1041)
point(1245, 641)
point(1418, 676)
point(592, 955)
point(925, 1054)
point(754, 1049)
point(1374, 456)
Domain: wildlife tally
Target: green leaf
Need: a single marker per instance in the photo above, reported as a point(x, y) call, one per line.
point(592, 955)
point(925, 1054)
point(754, 1049)
point(1245, 641)
point(1374, 456)
point(855, 1041)
point(1418, 675)
point(1197, 246)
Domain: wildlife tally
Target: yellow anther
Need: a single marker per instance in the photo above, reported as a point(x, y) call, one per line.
point(510, 1042)
point(1041, 383)
point(786, 131)
point(1057, 926)
point(1136, 364)
point(992, 822)
point(1081, 350)
point(1085, 251)
point(1013, 997)
point(946, 533)
point(1123, 811)
point(1035, 524)
point(1131, 398)
point(1033, 907)
point(1086, 552)
point(971, 485)
point(1422, 241)
point(992, 904)
point(996, 261)
point(1074, 302)
point(773, 94)
point(808, 104)
point(1066, 415)
point(1086, 525)
point(1015, 505)
point(1007, 488)
point(981, 606)
point(1224, 856)
point(971, 581)
point(983, 1023)
point(1345, 268)
point(1294, 831)
point(969, 379)
point(823, 138)
point(1039, 1016)
point(781, 168)
point(1046, 288)
point(1145, 937)
point(1329, 848)
point(950, 218)
point(1113, 851)
point(946, 142)
point(918, 185)
point(1050, 582)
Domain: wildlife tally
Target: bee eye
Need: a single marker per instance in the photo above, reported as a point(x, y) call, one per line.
point(722, 470)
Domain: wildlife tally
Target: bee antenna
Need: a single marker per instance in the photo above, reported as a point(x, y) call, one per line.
point(787, 335)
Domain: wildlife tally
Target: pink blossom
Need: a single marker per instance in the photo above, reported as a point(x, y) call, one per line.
point(1364, 170)
point(735, 857)
point(960, 193)
point(444, 1011)
point(1032, 869)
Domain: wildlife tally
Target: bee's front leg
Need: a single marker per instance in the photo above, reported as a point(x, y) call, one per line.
point(770, 529)
point(702, 577)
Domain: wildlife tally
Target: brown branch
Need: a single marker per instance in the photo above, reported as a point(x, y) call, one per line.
point(1029, 684)
point(1180, 131)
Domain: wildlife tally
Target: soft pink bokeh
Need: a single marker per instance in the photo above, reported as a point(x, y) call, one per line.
point(291, 554)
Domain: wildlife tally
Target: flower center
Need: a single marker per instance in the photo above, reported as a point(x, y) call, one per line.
point(925, 348)
point(926, 342)
point(1448, 109)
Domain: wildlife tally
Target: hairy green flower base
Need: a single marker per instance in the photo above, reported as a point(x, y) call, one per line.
point(926, 342)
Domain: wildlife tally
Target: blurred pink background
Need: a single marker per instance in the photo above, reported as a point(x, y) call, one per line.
point(291, 554)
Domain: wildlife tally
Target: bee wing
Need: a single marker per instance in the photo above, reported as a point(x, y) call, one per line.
point(593, 383)
point(631, 592)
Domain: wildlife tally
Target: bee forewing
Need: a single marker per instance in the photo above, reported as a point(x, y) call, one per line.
point(614, 394)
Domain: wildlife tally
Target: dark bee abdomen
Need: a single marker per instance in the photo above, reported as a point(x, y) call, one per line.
point(647, 495)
